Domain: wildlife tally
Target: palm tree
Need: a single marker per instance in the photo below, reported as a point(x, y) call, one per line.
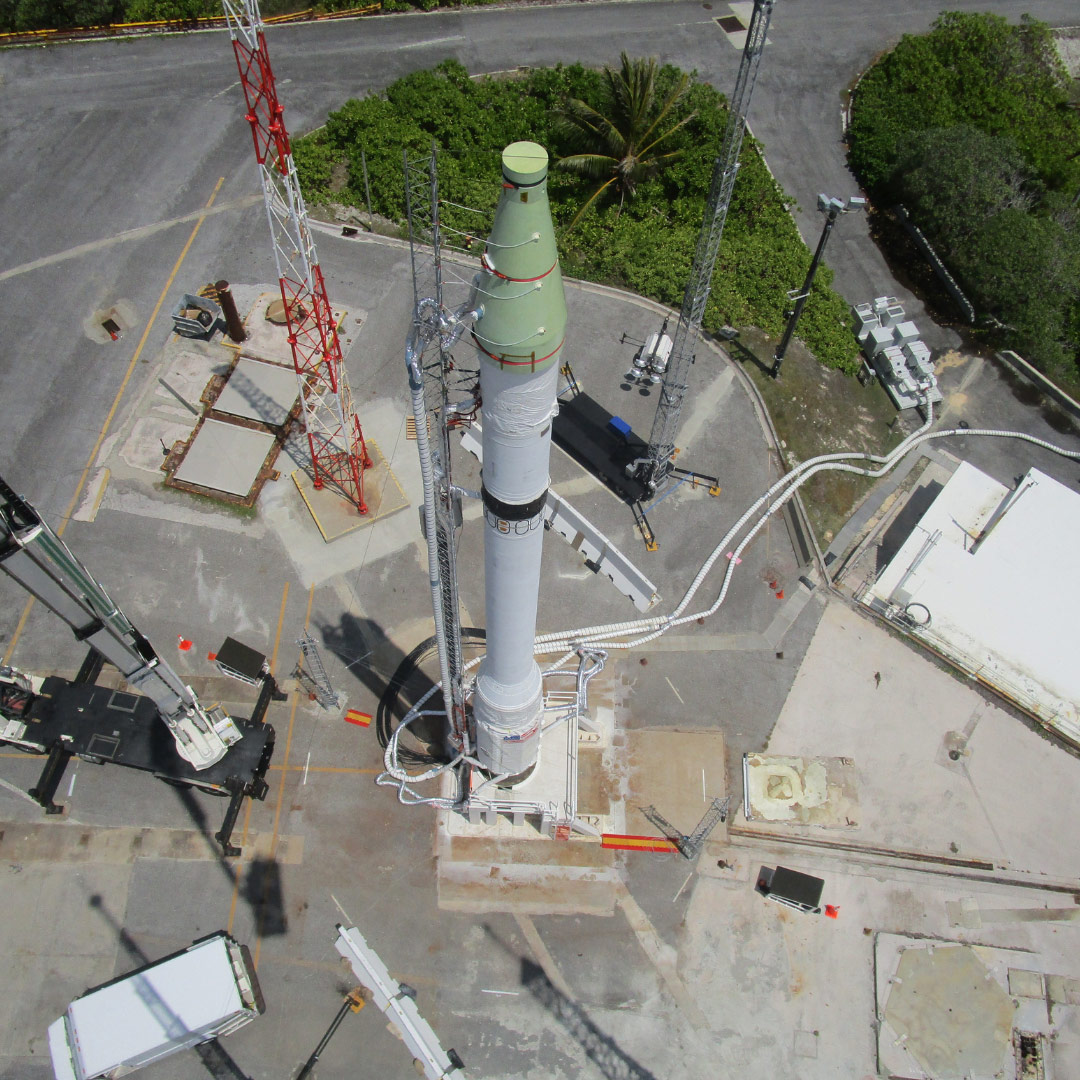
point(617, 144)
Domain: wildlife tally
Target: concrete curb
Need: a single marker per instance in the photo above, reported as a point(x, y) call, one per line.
point(802, 535)
point(1039, 380)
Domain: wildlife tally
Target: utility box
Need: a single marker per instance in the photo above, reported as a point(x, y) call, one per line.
point(196, 317)
point(207, 990)
point(792, 888)
point(240, 661)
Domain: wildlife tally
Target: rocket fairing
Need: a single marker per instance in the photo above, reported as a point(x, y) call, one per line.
point(519, 337)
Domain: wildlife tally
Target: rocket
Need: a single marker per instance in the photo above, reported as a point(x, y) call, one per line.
point(519, 336)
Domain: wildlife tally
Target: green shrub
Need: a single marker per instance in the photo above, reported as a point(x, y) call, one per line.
point(969, 127)
point(647, 248)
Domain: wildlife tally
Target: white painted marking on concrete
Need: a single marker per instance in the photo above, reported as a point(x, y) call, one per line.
point(682, 886)
point(337, 904)
point(703, 799)
point(504, 993)
point(226, 90)
point(307, 763)
point(674, 691)
point(71, 786)
point(130, 234)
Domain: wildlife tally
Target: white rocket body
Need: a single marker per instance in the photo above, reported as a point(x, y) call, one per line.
point(519, 337)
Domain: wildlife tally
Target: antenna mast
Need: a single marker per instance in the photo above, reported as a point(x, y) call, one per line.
point(655, 468)
point(338, 453)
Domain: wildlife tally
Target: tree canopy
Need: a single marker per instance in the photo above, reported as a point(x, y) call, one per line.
point(647, 248)
point(969, 127)
point(618, 143)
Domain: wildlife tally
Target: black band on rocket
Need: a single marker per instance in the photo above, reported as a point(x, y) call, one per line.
point(513, 511)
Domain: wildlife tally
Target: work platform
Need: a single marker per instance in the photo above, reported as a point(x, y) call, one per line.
point(103, 725)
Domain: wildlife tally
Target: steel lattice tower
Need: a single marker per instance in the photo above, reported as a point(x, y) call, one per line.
point(338, 453)
point(655, 468)
point(432, 335)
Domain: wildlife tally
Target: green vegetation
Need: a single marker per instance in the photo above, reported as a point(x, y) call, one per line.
point(618, 143)
point(816, 411)
point(645, 243)
point(18, 16)
point(970, 127)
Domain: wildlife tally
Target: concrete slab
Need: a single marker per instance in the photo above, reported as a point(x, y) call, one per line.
point(865, 695)
point(335, 516)
point(946, 1010)
point(678, 772)
point(259, 391)
point(269, 340)
point(225, 457)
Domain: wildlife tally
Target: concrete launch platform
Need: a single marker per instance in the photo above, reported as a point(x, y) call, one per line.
point(536, 959)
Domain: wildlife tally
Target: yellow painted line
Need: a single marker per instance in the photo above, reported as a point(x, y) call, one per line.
point(135, 358)
point(280, 622)
point(281, 793)
point(100, 494)
point(18, 630)
point(311, 509)
point(139, 233)
point(116, 403)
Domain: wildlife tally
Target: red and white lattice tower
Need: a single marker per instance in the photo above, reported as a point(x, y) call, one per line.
point(338, 453)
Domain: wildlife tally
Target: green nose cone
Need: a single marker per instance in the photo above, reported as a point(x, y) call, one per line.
point(524, 318)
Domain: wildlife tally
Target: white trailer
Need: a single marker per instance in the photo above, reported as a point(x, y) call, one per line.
point(207, 990)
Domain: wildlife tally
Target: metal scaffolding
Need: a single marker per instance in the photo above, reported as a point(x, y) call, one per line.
point(435, 328)
point(654, 468)
point(338, 453)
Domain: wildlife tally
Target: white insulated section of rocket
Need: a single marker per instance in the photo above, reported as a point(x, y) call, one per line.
point(519, 337)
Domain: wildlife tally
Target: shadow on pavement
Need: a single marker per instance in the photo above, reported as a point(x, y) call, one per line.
point(263, 892)
point(601, 1049)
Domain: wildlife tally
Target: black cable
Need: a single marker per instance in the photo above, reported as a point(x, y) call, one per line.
point(391, 706)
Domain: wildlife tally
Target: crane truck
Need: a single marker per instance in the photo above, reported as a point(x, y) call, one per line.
point(209, 750)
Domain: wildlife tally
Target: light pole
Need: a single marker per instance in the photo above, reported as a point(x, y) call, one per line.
point(832, 208)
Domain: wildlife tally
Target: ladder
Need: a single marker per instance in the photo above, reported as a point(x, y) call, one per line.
point(690, 846)
point(324, 692)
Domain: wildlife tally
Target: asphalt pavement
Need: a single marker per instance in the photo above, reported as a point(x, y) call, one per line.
point(127, 177)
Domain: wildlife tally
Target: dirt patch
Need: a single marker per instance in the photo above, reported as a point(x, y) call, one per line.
point(819, 411)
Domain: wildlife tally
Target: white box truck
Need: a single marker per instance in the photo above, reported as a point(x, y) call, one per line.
point(206, 990)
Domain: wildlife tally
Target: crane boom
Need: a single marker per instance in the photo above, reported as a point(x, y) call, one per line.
point(655, 467)
point(35, 557)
